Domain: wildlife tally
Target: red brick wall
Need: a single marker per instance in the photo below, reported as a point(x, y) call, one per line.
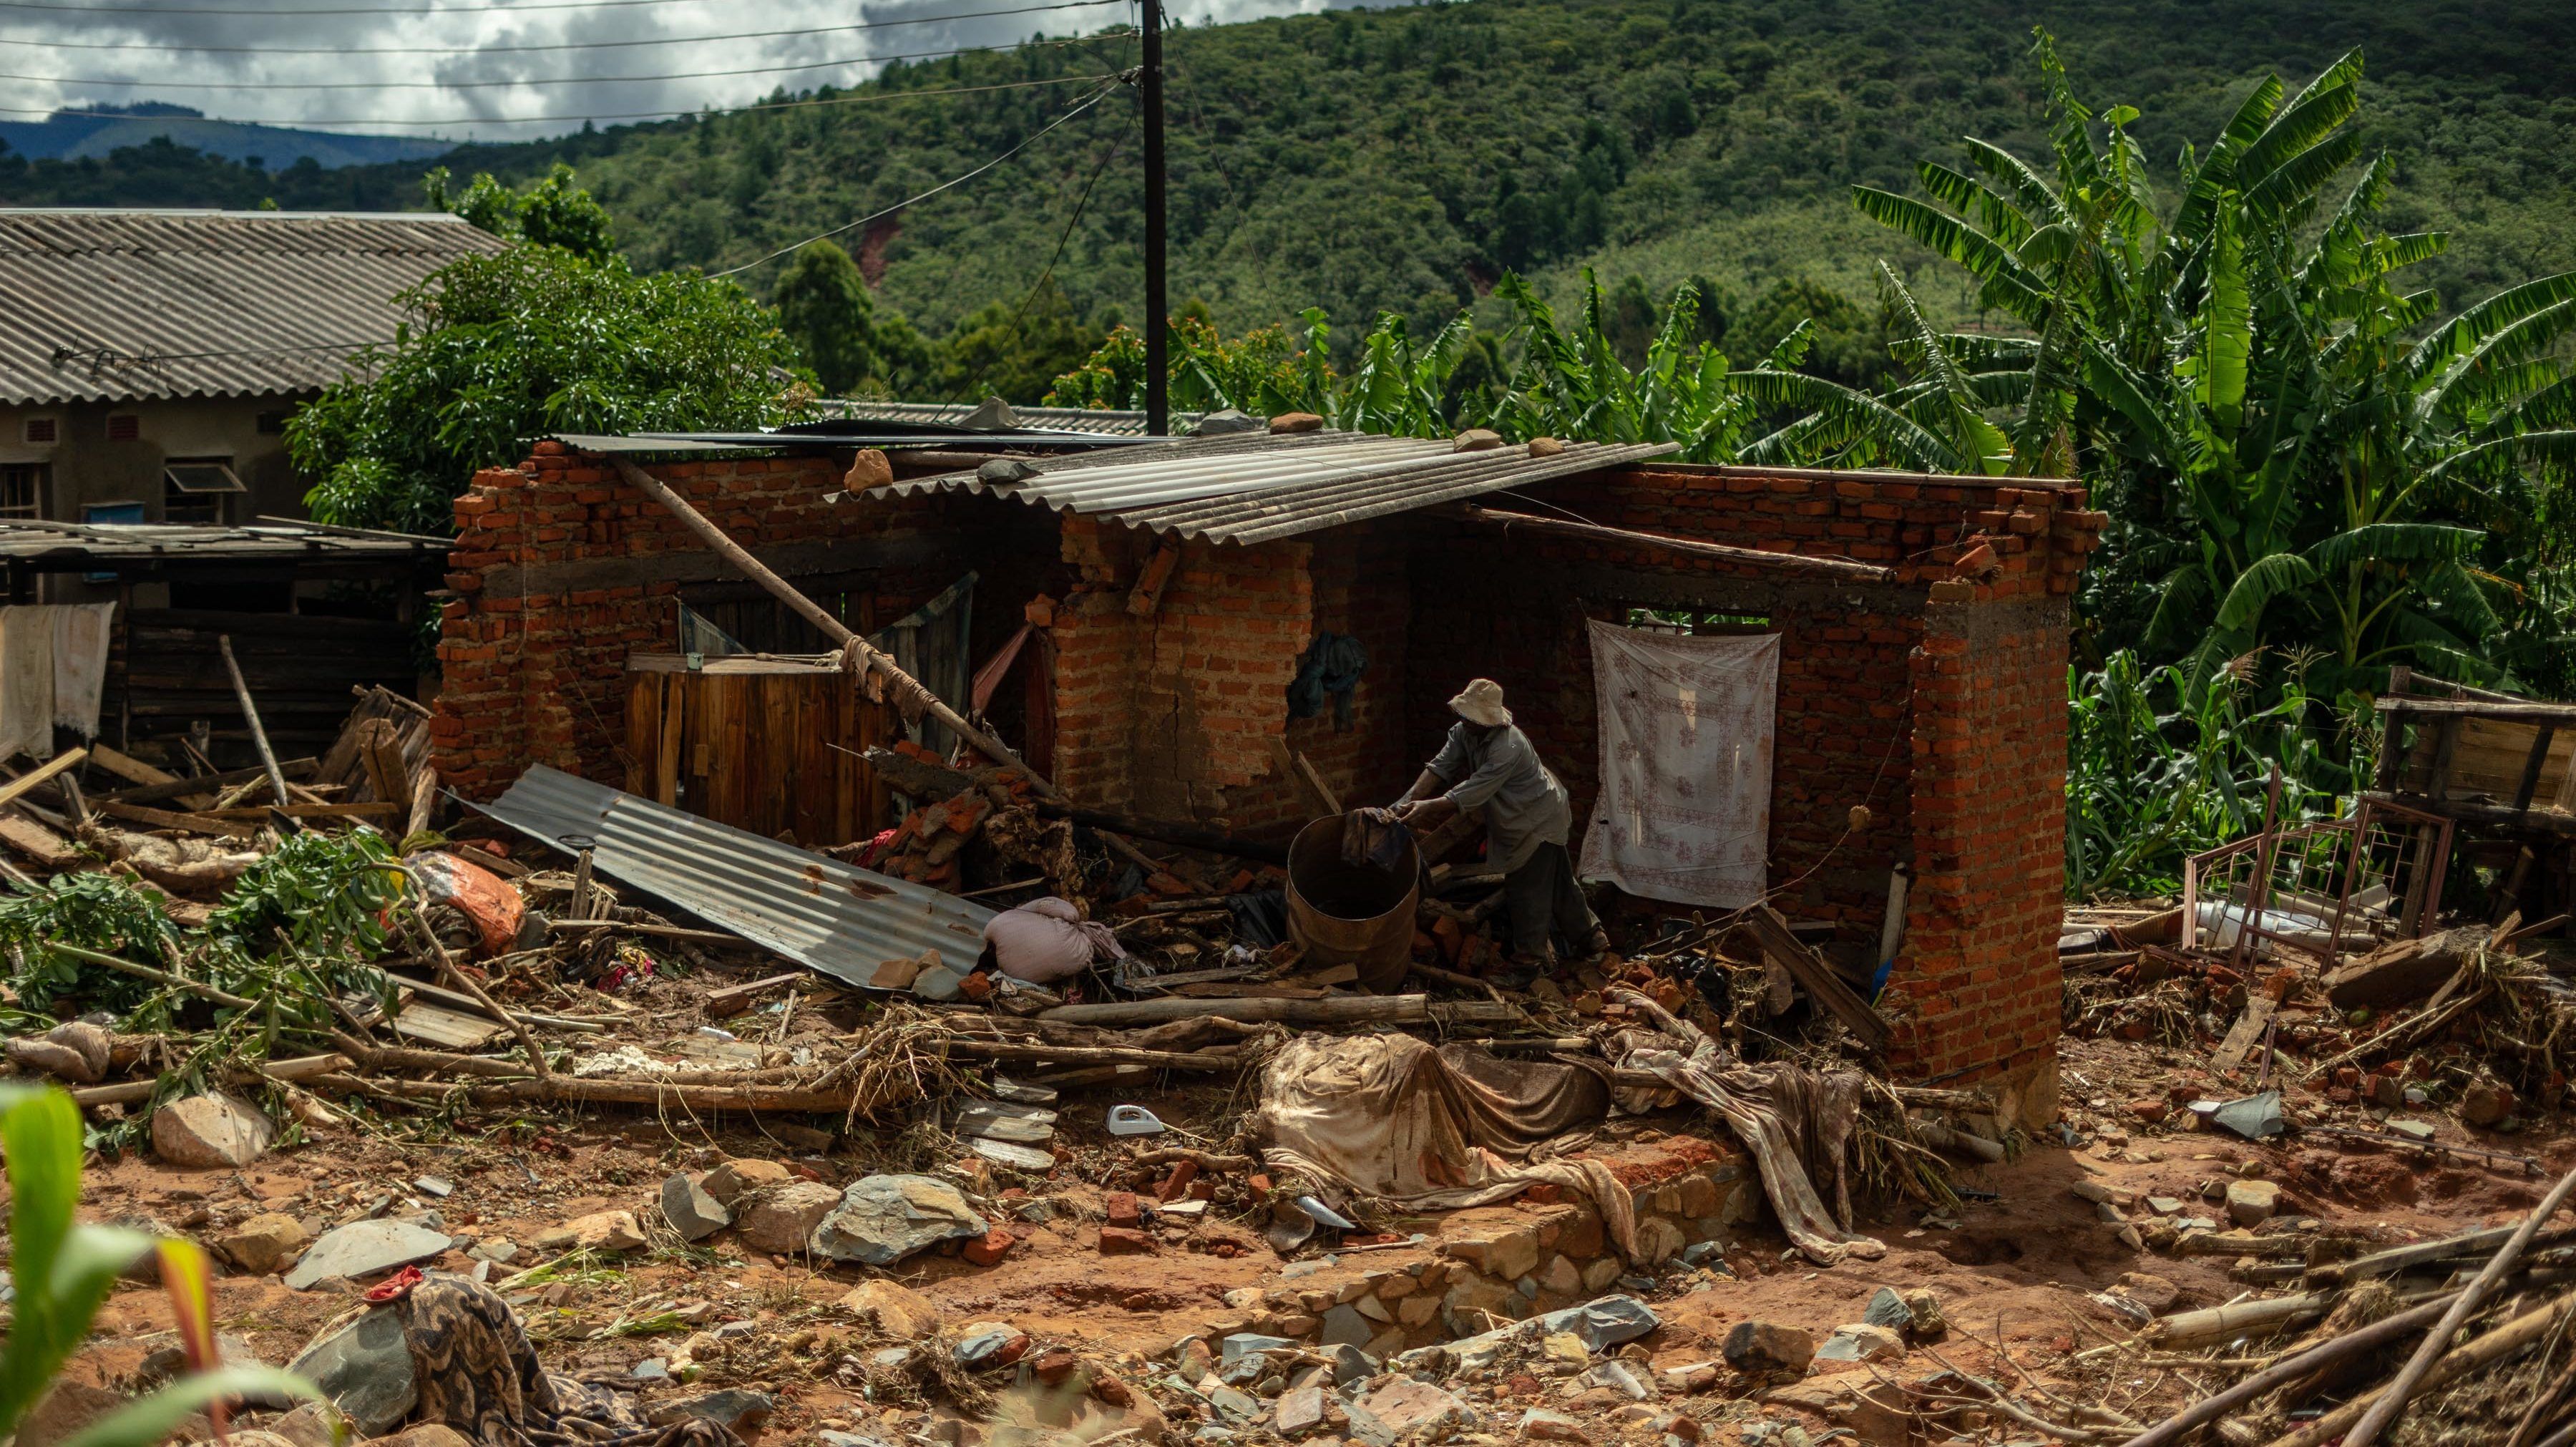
point(1880, 685)
point(540, 676)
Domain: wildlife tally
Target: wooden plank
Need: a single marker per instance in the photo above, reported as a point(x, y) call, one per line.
point(164, 819)
point(2557, 713)
point(733, 998)
point(38, 843)
point(373, 809)
point(448, 1029)
point(128, 768)
point(68, 759)
point(2241, 1037)
point(1817, 977)
point(2541, 739)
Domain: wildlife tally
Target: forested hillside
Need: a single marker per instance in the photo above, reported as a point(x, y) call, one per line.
point(1403, 158)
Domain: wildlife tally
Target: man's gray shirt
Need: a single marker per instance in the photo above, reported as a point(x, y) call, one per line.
point(1525, 806)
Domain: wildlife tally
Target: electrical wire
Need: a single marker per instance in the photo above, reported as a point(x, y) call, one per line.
point(291, 14)
point(869, 98)
point(525, 49)
point(1080, 204)
point(263, 85)
point(1025, 142)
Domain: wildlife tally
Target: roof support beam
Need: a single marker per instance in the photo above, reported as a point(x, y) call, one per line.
point(1798, 564)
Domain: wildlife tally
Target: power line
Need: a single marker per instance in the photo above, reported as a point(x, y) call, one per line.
point(1020, 316)
point(290, 14)
point(869, 98)
point(523, 49)
point(74, 80)
point(1025, 142)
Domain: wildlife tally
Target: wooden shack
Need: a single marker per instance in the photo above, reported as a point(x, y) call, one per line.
point(765, 742)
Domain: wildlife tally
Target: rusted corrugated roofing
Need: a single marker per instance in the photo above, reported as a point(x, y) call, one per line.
point(110, 306)
point(1052, 419)
point(40, 541)
point(813, 909)
point(1250, 488)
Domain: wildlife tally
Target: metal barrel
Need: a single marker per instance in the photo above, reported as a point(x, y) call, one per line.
point(1352, 913)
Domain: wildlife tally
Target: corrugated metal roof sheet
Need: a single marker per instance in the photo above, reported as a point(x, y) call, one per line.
point(1056, 419)
point(107, 542)
point(814, 910)
point(664, 444)
point(109, 306)
point(1251, 488)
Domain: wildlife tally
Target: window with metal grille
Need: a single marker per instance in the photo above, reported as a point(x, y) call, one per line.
point(195, 489)
point(124, 427)
point(41, 431)
point(22, 489)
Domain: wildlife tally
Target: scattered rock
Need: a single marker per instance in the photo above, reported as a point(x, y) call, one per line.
point(1299, 1410)
point(692, 1210)
point(1125, 1241)
point(1344, 1326)
point(1889, 1310)
point(1659, 1240)
point(1227, 422)
point(733, 1180)
point(2251, 1203)
point(983, 1344)
point(1476, 439)
point(62, 1412)
point(205, 1132)
point(1690, 1377)
point(1861, 1342)
point(1538, 1425)
point(1546, 447)
point(609, 1231)
point(2153, 1292)
point(309, 1425)
point(883, 1219)
point(1769, 1346)
point(895, 1310)
point(264, 1243)
point(782, 1219)
point(733, 1408)
point(1350, 1364)
point(363, 1248)
point(1560, 1277)
point(2485, 1104)
point(1296, 422)
point(989, 1248)
point(1564, 1352)
point(1874, 1412)
point(1406, 1406)
point(364, 1367)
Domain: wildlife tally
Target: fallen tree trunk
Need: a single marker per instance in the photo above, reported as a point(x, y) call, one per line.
point(564, 1088)
point(2216, 1323)
point(134, 1092)
point(2280, 1374)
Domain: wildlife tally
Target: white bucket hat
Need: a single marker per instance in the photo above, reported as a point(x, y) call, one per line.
point(1481, 702)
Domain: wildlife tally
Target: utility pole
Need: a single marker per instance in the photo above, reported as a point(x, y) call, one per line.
point(1158, 370)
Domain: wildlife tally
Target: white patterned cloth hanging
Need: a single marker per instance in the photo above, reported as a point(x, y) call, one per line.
point(26, 681)
point(81, 636)
point(1684, 813)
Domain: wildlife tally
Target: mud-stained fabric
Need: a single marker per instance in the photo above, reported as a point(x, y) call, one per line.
point(1388, 1116)
point(1686, 724)
point(1796, 1124)
point(477, 1373)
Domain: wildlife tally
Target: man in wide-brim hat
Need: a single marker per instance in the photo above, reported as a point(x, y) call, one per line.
point(1489, 764)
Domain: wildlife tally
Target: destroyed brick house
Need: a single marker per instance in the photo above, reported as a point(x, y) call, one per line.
point(1140, 612)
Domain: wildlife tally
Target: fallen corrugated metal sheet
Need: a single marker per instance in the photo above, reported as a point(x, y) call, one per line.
point(118, 305)
point(814, 910)
point(1253, 488)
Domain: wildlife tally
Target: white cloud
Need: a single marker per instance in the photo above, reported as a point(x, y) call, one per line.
point(481, 85)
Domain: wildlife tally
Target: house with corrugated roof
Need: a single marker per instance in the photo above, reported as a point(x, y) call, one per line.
point(149, 359)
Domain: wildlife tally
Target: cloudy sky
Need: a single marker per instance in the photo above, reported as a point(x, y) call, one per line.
point(465, 68)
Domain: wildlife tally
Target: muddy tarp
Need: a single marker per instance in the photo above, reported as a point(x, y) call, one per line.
point(1390, 1117)
point(1798, 1126)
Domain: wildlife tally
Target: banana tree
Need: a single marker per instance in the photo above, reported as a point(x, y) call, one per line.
point(2291, 459)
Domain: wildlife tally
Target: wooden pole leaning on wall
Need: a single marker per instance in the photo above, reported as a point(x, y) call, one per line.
point(861, 652)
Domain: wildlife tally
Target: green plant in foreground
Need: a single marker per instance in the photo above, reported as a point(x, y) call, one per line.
point(62, 1270)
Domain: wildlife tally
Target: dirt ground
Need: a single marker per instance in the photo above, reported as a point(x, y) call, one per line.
point(2019, 1268)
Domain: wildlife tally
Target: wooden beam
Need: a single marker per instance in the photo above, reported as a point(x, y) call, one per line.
point(128, 768)
point(1798, 563)
point(2555, 713)
point(1817, 977)
point(2531, 766)
point(68, 759)
point(250, 715)
point(163, 819)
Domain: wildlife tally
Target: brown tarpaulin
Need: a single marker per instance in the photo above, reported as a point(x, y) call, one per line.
point(1391, 1117)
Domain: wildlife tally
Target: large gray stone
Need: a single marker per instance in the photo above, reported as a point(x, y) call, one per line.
point(883, 1219)
point(205, 1132)
point(362, 1248)
point(1345, 1326)
point(364, 1368)
point(744, 1412)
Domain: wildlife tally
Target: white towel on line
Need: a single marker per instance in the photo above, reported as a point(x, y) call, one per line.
point(81, 636)
point(26, 681)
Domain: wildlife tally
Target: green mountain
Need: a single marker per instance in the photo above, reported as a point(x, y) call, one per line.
point(1402, 158)
point(98, 131)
